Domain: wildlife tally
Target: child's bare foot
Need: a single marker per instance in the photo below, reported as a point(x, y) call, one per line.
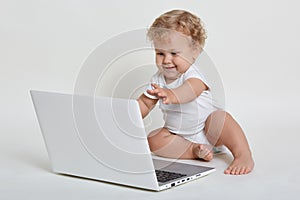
point(240, 165)
point(203, 151)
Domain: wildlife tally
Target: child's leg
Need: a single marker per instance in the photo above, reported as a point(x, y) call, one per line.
point(166, 144)
point(222, 129)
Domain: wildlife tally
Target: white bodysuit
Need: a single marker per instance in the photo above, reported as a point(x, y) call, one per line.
point(188, 119)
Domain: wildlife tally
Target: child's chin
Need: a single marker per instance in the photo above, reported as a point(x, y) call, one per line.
point(172, 76)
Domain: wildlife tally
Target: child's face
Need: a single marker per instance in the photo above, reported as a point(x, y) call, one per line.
point(174, 55)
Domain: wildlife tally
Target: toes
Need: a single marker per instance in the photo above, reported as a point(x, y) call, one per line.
point(203, 152)
point(208, 156)
point(233, 171)
point(247, 170)
point(228, 170)
point(236, 170)
point(243, 170)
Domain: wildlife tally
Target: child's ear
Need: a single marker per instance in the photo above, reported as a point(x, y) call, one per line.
point(197, 49)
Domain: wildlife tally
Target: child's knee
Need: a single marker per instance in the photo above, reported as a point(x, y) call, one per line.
point(215, 120)
point(220, 114)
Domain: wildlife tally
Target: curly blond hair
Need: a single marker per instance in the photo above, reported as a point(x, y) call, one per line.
point(181, 21)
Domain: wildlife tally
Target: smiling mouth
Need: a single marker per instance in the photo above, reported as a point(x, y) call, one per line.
point(171, 67)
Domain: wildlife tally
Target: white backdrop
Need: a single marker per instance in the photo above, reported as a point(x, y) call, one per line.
point(254, 45)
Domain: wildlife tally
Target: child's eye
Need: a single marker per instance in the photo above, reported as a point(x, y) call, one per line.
point(174, 53)
point(159, 54)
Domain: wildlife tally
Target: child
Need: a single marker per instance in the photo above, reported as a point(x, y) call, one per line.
point(192, 122)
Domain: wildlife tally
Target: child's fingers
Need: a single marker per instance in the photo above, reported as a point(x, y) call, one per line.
point(155, 85)
point(165, 100)
point(161, 94)
point(152, 92)
point(155, 92)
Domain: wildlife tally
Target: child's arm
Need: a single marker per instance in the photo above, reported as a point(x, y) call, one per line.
point(185, 93)
point(146, 104)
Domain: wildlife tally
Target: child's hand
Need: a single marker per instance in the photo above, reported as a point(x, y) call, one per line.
point(166, 95)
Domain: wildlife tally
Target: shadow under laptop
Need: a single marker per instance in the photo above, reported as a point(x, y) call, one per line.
point(43, 163)
point(105, 183)
point(34, 160)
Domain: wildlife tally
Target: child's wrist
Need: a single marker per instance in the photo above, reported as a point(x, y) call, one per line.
point(172, 96)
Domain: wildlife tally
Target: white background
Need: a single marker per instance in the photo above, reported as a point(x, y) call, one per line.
point(254, 45)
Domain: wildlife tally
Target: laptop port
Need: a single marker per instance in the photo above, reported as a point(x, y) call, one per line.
point(173, 184)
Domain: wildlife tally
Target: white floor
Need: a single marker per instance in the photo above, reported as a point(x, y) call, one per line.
point(25, 169)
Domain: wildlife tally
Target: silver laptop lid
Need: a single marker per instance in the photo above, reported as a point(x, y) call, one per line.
point(94, 138)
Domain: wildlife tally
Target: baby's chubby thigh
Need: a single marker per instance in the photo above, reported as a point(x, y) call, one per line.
point(159, 138)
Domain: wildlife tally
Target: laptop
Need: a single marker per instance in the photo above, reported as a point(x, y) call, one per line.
point(104, 139)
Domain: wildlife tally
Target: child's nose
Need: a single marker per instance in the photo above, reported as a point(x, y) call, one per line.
point(167, 59)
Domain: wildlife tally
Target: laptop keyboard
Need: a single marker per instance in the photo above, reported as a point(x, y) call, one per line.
point(165, 176)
